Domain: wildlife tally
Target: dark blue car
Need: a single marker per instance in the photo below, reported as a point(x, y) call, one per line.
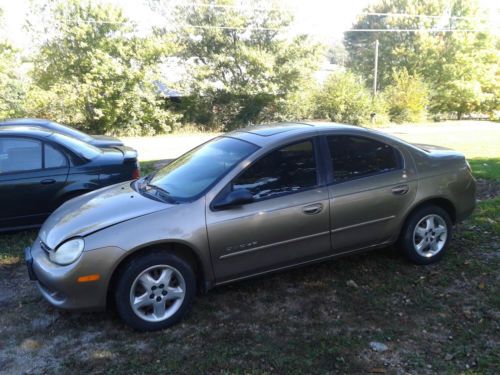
point(94, 140)
point(41, 169)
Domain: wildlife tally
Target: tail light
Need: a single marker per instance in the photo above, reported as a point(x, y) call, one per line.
point(136, 173)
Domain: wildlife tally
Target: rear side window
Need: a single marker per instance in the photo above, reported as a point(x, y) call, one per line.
point(19, 154)
point(288, 169)
point(354, 157)
point(53, 157)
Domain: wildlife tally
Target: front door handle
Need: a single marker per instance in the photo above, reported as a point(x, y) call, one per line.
point(400, 189)
point(312, 209)
point(47, 181)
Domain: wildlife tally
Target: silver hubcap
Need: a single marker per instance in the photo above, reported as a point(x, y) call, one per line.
point(157, 293)
point(430, 235)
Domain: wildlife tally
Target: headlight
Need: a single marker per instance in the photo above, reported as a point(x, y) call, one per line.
point(68, 252)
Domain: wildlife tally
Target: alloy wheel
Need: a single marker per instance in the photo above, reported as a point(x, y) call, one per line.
point(157, 293)
point(429, 236)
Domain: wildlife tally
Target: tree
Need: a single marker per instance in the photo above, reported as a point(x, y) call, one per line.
point(406, 97)
point(453, 64)
point(95, 73)
point(240, 59)
point(12, 87)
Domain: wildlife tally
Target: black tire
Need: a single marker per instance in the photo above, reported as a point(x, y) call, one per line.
point(406, 240)
point(133, 269)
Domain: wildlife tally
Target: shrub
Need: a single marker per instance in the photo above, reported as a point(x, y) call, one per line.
point(344, 98)
point(406, 97)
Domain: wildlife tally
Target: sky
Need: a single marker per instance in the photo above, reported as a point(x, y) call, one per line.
point(324, 19)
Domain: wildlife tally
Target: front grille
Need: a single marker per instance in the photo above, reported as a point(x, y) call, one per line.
point(45, 247)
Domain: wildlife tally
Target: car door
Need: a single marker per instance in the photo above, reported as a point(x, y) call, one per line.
point(31, 174)
point(373, 184)
point(286, 223)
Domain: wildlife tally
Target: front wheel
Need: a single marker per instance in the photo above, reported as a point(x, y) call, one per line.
point(154, 291)
point(426, 235)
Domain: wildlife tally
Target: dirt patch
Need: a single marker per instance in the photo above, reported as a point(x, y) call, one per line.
point(487, 189)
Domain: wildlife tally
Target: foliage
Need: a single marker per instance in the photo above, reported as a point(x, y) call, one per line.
point(12, 87)
point(459, 67)
point(406, 97)
point(240, 74)
point(344, 98)
point(96, 75)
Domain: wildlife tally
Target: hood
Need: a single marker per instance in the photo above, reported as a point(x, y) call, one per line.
point(96, 210)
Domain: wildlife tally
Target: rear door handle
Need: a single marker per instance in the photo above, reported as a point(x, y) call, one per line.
point(47, 181)
point(400, 189)
point(312, 209)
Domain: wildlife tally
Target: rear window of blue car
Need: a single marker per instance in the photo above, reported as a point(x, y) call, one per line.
point(83, 149)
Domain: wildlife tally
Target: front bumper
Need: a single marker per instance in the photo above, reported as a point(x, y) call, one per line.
point(59, 284)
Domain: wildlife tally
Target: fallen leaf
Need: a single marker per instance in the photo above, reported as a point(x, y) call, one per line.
point(377, 370)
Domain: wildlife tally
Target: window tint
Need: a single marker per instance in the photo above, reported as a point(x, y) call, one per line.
point(54, 158)
point(354, 157)
point(286, 170)
point(83, 149)
point(19, 154)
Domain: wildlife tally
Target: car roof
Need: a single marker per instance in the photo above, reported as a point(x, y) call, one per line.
point(27, 121)
point(262, 135)
point(14, 130)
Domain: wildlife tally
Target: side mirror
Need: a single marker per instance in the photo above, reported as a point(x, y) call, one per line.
point(235, 198)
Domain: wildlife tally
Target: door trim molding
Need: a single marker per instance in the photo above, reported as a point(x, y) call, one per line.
point(363, 223)
point(236, 253)
point(316, 260)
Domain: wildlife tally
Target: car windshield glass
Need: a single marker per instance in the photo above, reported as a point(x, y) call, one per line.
point(194, 172)
point(71, 132)
point(83, 149)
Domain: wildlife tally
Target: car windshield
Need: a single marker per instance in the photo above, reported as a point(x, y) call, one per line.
point(83, 149)
point(194, 172)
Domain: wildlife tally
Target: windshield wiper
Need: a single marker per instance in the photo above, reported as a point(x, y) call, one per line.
point(163, 193)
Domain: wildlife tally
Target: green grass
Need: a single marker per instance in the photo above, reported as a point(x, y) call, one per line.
point(487, 215)
point(12, 246)
point(147, 167)
point(487, 168)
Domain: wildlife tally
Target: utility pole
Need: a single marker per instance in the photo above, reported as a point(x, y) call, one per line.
point(375, 72)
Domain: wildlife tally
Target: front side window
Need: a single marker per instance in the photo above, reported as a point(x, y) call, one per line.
point(354, 157)
point(194, 172)
point(288, 169)
point(20, 154)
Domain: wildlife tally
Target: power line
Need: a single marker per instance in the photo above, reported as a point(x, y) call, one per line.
point(408, 15)
point(250, 28)
point(378, 14)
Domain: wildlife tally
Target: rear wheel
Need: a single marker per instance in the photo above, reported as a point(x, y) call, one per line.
point(154, 291)
point(426, 235)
